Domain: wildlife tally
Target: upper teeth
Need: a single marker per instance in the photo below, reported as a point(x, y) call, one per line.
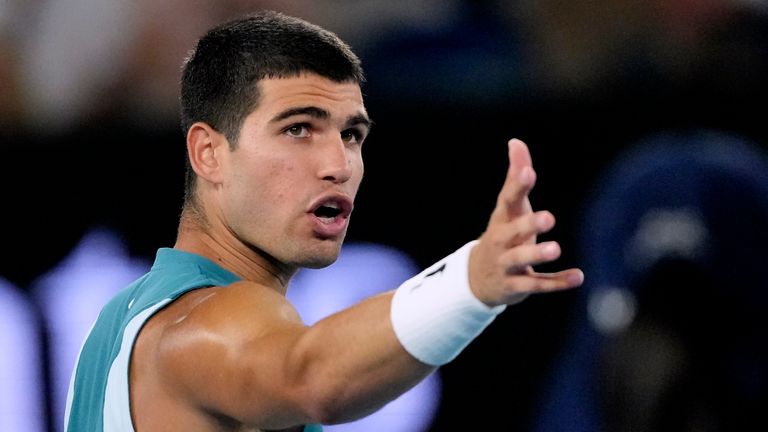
point(332, 205)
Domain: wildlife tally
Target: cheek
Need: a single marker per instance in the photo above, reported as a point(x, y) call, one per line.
point(260, 178)
point(278, 179)
point(267, 167)
point(359, 169)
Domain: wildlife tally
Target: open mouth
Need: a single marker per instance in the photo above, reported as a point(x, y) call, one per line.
point(328, 211)
point(332, 209)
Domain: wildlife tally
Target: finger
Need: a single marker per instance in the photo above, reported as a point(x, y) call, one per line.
point(545, 282)
point(519, 258)
point(519, 155)
point(520, 173)
point(512, 200)
point(522, 229)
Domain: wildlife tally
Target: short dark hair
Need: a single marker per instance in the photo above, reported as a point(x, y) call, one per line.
point(219, 83)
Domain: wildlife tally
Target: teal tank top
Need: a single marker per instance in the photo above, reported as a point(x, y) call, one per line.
point(98, 398)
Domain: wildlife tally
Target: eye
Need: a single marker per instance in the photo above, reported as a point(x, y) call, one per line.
point(300, 130)
point(352, 136)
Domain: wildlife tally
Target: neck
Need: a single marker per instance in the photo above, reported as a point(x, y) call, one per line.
point(219, 245)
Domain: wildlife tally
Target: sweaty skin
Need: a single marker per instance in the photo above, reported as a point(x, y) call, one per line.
point(238, 358)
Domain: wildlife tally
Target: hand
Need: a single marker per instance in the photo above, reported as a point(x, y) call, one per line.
point(501, 264)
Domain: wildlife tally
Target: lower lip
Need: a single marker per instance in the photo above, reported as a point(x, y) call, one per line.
point(328, 229)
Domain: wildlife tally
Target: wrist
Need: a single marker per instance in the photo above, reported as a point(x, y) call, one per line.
point(435, 314)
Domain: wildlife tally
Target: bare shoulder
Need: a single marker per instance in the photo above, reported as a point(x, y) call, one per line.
point(195, 352)
point(235, 313)
point(213, 323)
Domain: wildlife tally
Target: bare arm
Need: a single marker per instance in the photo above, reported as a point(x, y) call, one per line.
point(243, 353)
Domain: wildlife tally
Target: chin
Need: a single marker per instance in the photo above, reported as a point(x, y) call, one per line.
point(319, 257)
point(317, 262)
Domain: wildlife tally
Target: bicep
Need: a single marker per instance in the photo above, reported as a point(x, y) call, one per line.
point(229, 355)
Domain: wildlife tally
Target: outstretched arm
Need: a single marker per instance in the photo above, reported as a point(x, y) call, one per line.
point(243, 353)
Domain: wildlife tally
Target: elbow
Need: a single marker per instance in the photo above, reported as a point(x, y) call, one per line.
point(333, 400)
point(330, 390)
point(318, 391)
point(326, 402)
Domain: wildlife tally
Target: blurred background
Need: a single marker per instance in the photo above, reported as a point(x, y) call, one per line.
point(647, 126)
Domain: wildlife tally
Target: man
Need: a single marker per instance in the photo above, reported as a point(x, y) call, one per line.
point(206, 341)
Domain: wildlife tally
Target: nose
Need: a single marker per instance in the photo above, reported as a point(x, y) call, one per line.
point(335, 162)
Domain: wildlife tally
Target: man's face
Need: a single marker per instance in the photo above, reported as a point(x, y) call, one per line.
point(290, 183)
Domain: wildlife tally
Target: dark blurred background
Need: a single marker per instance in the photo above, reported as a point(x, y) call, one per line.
point(89, 137)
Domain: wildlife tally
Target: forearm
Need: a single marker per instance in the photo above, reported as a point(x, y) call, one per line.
point(353, 363)
point(378, 349)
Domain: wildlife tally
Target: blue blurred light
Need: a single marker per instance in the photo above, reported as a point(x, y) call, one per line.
point(21, 398)
point(71, 297)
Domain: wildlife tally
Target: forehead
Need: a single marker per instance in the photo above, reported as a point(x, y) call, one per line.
point(339, 99)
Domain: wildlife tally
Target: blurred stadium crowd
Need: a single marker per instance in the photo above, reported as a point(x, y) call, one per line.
point(647, 125)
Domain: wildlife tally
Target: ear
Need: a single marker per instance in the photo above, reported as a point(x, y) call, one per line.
point(205, 148)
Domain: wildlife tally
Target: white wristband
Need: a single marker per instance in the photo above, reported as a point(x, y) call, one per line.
point(435, 315)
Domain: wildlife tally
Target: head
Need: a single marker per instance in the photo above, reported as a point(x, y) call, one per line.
point(219, 84)
point(274, 118)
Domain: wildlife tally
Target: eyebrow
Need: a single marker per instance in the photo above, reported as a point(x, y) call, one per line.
point(311, 111)
point(319, 113)
point(360, 120)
